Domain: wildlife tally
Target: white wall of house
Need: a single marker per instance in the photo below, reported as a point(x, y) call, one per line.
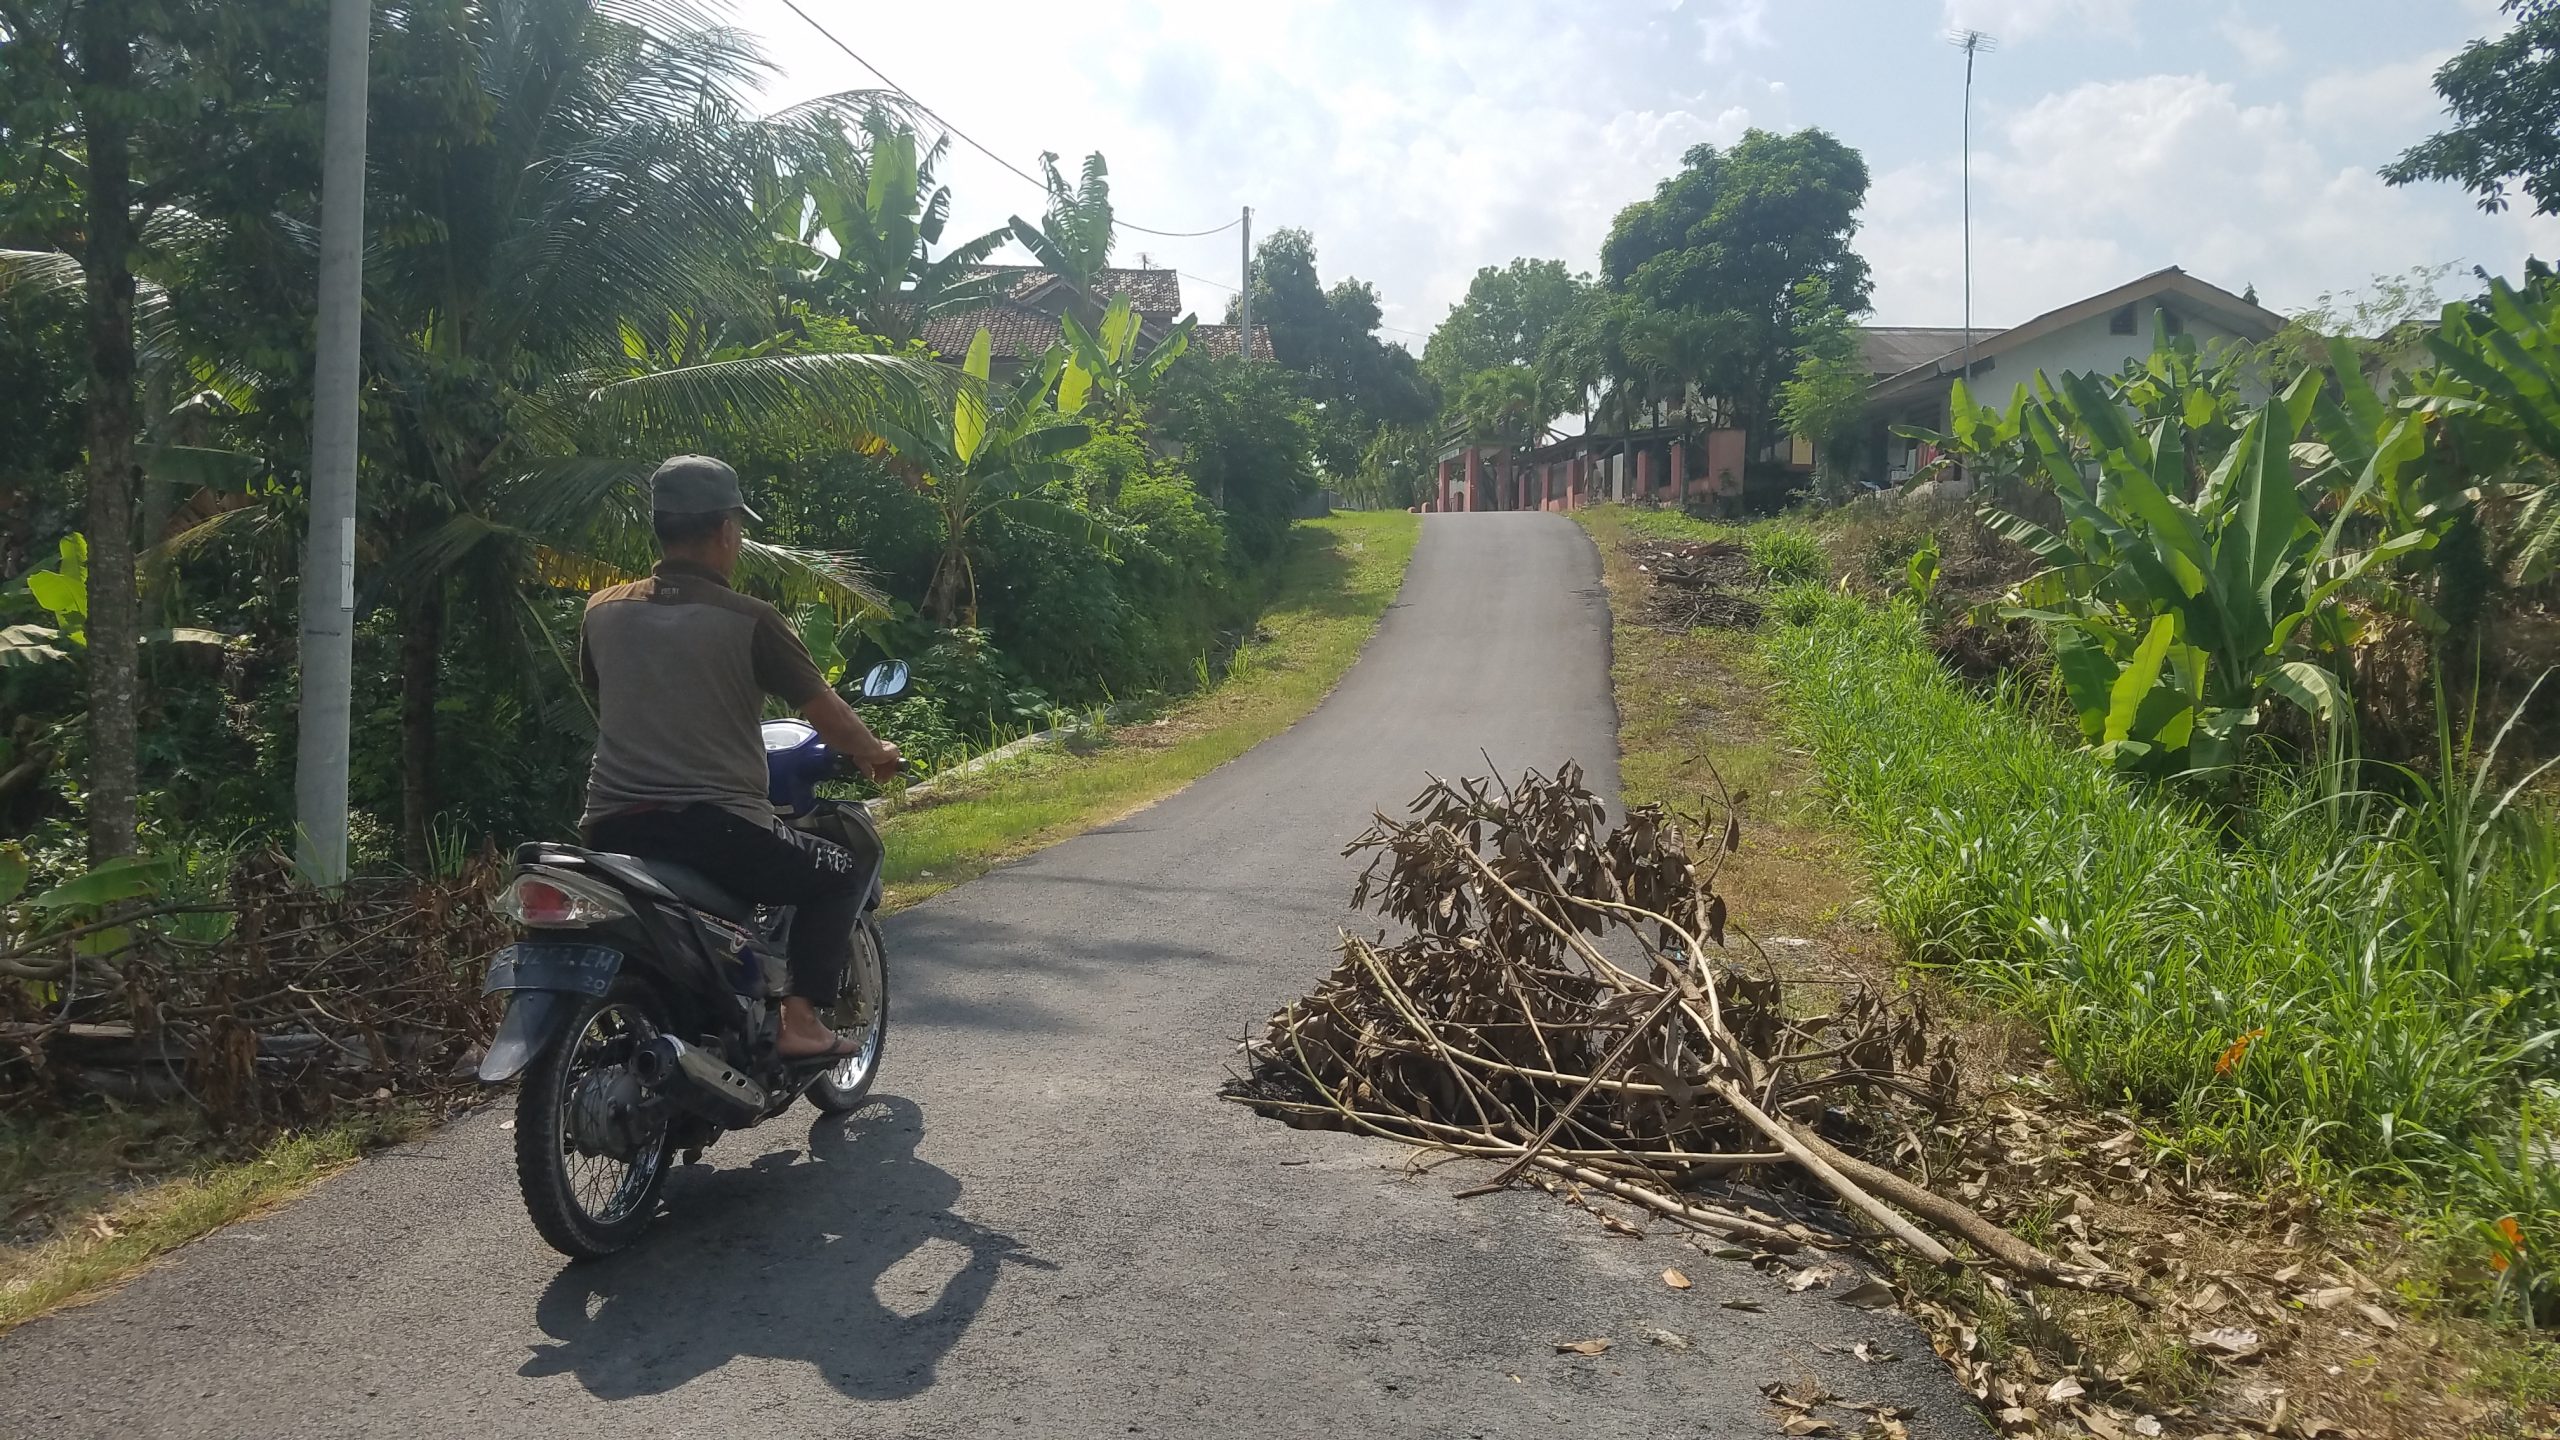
point(2089, 346)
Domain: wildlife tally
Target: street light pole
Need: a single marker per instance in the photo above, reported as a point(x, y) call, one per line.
point(1244, 330)
point(1973, 43)
point(329, 553)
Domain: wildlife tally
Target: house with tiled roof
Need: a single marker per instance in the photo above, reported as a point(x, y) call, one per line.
point(1022, 320)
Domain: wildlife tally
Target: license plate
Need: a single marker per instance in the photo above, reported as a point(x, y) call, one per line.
point(571, 969)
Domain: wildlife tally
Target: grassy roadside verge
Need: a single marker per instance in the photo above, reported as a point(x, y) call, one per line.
point(60, 1175)
point(2349, 1322)
point(1339, 577)
point(91, 1200)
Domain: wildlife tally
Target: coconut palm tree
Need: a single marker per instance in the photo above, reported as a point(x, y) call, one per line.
point(564, 280)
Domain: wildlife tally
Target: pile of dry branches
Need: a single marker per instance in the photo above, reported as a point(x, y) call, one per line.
point(1565, 1003)
point(1695, 583)
point(269, 1008)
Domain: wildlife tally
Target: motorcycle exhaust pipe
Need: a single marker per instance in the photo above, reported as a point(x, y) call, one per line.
point(695, 1080)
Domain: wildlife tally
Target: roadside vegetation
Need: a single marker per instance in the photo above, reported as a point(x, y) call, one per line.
point(1103, 528)
point(2202, 761)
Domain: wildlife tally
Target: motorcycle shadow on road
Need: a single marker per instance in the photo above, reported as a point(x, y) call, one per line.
point(783, 1259)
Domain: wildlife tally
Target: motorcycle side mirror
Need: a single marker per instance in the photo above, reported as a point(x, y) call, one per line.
point(886, 681)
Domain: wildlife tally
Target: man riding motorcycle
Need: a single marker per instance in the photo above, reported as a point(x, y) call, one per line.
point(679, 665)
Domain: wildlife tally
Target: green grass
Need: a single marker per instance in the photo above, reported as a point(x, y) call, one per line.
point(105, 1235)
point(1787, 554)
point(2355, 994)
point(1659, 524)
point(1338, 578)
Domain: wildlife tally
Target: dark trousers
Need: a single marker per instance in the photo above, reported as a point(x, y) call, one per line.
point(770, 864)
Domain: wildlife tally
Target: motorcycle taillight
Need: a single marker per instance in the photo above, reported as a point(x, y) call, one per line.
point(548, 899)
point(539, 902)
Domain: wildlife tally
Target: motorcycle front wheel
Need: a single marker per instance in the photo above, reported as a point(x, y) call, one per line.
point(862, 1012)
point(591, 1149)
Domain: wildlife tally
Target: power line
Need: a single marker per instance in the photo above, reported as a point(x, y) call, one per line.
point(1026, 176)
point(1230, 289)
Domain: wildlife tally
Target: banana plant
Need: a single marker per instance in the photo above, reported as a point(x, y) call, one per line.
point(883, 213)
point(1073, 239)
point(2494, 395)
point(1107, 359)
point(2177, 621)
point(983, 461)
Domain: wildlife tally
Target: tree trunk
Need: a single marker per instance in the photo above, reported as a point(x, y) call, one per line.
point(942, 597)
point(421, 652)
point(106, 59)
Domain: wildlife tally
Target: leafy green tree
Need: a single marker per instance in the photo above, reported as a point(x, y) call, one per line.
point(1073, 239)
point(1354, 380)
point(881, 212)
point(104, 91)
point(1509, 316)
point(1504, 406)
point(1825, 401)
point(1398, 466)
point(1248, 439)
point(2504, 96)
point(1733, 264)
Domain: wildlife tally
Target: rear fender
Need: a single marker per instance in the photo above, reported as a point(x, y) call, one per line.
point(533, 1018)
point(545, 981)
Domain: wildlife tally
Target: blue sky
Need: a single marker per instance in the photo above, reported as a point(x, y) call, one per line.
point(1420, 139)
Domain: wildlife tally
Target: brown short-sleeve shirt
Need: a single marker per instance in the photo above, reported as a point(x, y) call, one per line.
point(679, 665)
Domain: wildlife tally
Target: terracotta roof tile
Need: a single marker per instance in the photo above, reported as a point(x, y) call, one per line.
point(1014, 331)
point(1157, 294)
point(1218, 342)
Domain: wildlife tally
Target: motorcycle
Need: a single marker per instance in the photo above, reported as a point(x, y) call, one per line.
point(643, 1005)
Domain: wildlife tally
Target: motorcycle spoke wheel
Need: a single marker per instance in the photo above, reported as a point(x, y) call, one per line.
point(862, 1012)
point(607, 1188)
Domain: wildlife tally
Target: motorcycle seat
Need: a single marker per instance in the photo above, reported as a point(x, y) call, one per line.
point(697, 890)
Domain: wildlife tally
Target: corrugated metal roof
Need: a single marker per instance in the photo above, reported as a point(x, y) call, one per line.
point(1892, 349)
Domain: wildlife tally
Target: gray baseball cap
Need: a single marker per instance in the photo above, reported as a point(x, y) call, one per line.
point(696, 485)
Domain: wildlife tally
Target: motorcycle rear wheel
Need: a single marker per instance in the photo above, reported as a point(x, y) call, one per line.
point(589, 1205)
point(862, 1011)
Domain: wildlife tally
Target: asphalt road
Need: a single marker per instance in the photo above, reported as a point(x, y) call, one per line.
point(1049, 1225)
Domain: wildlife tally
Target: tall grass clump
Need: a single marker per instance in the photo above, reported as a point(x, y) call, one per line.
point(2365, 994)
point(1787, 554)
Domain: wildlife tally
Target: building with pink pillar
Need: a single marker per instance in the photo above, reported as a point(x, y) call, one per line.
point(1475, 478)
point(1679, 481)
point(1443, 502)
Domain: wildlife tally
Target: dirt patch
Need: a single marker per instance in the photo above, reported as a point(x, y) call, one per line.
point(1694, 583)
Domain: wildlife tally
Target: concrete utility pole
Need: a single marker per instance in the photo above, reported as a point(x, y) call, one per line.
point(329, 556)
point(1244, 331)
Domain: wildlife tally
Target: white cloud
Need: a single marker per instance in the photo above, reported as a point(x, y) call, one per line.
point(1422, 140)
point(2261, 47)
point(2394, 99)
point(2094, 185)
point(1729, 27)
point(2025, 19)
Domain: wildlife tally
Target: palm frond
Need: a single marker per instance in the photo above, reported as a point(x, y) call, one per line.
point(791, 577)
point(848, 397)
